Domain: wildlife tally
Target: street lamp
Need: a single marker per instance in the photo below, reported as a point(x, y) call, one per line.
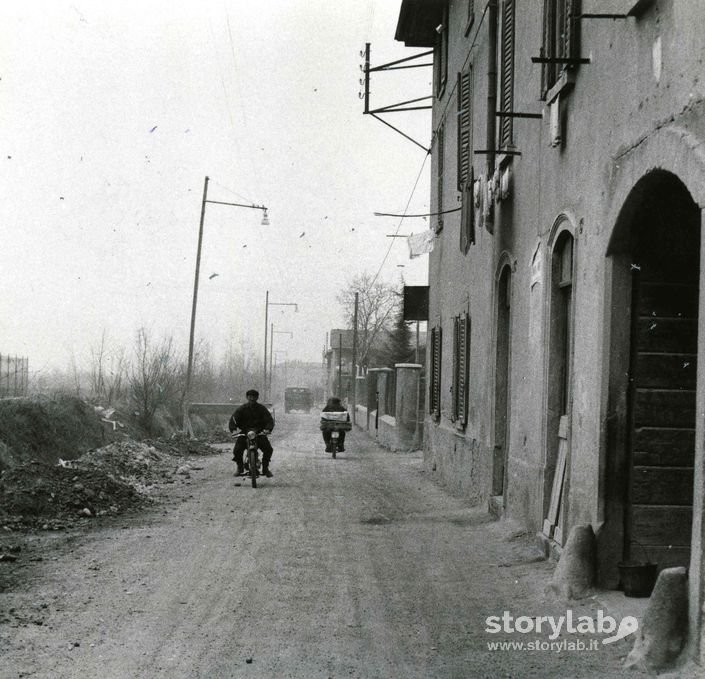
point(267, 304)
point(189, 368)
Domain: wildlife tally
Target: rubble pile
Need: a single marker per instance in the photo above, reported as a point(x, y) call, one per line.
point(180, 444)
point(103, 481)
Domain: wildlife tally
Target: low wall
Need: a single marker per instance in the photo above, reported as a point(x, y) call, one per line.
point(387, 434)
point(403, 428)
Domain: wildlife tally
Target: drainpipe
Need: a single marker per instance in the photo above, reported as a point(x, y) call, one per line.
point(491, 90)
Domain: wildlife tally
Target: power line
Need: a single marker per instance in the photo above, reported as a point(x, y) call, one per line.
point(408, 202)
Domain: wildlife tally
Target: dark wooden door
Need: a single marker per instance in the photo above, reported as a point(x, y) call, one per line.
point(662, 395)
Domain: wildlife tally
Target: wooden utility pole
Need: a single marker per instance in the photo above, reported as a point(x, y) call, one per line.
point(340, 364)
point(354, 360)
point(264, 365)
point(189, 368)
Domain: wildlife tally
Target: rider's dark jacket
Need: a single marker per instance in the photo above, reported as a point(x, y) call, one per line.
point(251, 416)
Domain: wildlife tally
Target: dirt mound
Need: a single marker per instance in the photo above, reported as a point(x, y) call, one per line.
point(46, 429)
point(180, 444)
point(110, 480)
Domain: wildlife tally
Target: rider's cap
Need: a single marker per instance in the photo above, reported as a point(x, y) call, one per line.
point(252, 392)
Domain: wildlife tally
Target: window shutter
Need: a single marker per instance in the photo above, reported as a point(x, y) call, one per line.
point(440, 164)
point(463, 361)
point(467, 214)
point(461, 333)
point(546, 42)
point(570, 29)
point(464, 126)
point(456, 346)
point(561, 38)
point(507, 74)
point(434, 399)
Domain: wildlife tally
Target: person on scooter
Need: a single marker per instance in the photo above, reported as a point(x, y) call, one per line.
point(248, 416)
point(334, 406)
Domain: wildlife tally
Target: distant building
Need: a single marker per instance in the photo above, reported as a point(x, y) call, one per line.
point(568, 182)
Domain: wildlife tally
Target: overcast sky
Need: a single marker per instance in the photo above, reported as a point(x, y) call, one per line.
point(112, 114)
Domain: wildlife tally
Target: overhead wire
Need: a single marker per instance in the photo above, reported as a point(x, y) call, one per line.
point(408, 202)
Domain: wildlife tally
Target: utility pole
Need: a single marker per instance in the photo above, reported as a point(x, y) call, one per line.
point(271, 357)
point(340, 364)
point(267, 304)
point(189, 369)
point(264, 365)
point(354, 360)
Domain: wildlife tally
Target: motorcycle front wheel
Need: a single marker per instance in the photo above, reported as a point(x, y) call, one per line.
point(252, 460)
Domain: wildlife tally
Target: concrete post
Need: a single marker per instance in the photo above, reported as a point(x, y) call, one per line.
point(383, 386)
point(407, 384)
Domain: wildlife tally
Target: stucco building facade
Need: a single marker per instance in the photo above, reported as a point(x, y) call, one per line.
point(565, 314)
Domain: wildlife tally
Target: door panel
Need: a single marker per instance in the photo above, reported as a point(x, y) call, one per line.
point(664, 362)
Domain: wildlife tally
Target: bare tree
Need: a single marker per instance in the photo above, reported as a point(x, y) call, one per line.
point(75, 373)
point(376, 302)
point(115, 376)
point(98, 353)
point(155, 377)
point(108, 370)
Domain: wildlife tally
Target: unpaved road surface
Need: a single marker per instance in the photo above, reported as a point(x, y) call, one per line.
point(355, 567)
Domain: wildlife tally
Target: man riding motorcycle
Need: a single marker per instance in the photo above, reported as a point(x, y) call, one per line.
point(248, 416)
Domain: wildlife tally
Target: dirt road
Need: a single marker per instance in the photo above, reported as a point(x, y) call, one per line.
point(355, 567)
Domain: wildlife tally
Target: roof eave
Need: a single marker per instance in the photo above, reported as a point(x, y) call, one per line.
point(418, 19)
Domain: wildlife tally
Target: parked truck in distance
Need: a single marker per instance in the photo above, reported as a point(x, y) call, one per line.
point(298, 398)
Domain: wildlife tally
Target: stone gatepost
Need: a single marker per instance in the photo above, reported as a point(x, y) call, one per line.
point(407, 405)
point(384, 384)
point(372, 389)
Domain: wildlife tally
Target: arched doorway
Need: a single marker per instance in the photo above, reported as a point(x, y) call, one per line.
point(651, 426)
point(559, 382)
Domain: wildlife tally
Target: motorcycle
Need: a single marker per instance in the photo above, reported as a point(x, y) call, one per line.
point(251, 458)
point(335, 422)
point(334, 441)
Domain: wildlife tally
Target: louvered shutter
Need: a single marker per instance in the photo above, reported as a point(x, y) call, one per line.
point(454, 410)
point(507, 75)
point(464, 127)
point(463, 361)
point(440, 164)
point(461, 334)
point(467, 214)
point(561, 38)
point(546, 42)
point(571, 12)
point(434, 399)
